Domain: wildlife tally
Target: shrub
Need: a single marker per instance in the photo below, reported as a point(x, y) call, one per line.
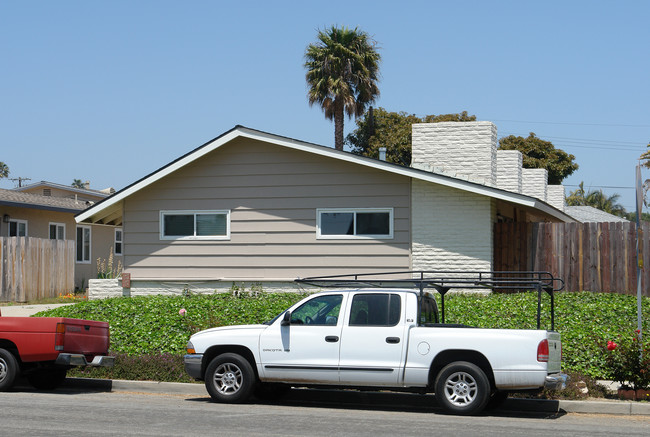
point(628, 361)
point(148, 367)
point(153, 325)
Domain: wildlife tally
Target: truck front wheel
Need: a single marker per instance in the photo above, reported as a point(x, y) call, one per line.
point(230, 378)
point(8, 369)
point(462, 388)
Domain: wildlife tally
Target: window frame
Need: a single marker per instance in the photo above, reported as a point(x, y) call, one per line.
point(161, 224)
point(355, 236)
point(58, 225)
point(120, 241)
point(90, 245)
point(18, 222)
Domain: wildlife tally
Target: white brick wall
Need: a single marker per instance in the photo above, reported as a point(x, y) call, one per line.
point(555, 196)
point(534, 182)
point(467, 149)
point(103, 288)
point(452, 229)
point(509, 170)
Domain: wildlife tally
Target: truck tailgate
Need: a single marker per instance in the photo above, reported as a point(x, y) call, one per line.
point(554, 352)
point(87, 337)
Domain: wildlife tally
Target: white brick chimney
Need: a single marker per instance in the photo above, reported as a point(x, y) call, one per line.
point(460, 149)
point(534, 182)
point(555, 196)
point(509, 167)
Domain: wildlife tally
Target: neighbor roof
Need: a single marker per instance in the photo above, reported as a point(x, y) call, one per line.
point(36, 201)
point(588, 214)
point(99, 193)
point(109, 210)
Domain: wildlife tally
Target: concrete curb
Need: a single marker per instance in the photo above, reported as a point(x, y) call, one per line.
point(623, 408)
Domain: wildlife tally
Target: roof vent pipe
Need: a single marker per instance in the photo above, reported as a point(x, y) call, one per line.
point(382, 154)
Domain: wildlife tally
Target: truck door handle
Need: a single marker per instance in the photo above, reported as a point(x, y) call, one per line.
point(331, 339)
point(392, 340)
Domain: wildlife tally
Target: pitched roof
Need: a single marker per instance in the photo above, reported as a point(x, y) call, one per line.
point(99, 193)
point(589, 214)
point(36, 201)
point(108, 211)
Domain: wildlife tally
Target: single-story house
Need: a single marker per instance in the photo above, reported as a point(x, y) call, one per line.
point(46, 210)
point(253, 207)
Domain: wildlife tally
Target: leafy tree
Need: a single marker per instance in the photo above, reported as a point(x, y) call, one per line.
point(342, 74)
point(4, 170)
point(77, 183)
point(380, 128)
point(596, 199)
point(538, 153)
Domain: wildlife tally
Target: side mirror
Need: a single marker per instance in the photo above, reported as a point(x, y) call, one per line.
point(286, 320)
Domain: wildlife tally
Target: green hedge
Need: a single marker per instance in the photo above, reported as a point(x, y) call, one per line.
point(142, 326)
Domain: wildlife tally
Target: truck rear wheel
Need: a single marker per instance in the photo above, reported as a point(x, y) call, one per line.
point(8, 369)
point(462, 388)
point(230, 378)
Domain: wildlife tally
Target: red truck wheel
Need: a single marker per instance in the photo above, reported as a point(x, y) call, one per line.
point(8, 369)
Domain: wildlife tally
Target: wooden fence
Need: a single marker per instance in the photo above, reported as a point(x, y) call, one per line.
point(597, 257)
point(35, 268)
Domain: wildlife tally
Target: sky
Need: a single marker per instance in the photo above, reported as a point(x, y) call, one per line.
point(110, 91)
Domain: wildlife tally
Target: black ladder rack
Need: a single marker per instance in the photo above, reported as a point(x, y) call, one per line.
point(443, 281)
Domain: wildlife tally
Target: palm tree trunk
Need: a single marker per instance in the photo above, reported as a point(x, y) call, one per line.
point(338, 127)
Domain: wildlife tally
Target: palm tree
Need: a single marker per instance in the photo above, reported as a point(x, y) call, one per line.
point(596, 199)
point(78, 183)
point(342, 74)
point(4, 170)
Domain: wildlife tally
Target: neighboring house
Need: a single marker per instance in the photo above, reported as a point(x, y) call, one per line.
point(256, 207)
point(26, 214)
point(50, 189)
point(589, 214)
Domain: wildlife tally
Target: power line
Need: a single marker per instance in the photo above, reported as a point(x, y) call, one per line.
point(574, 123)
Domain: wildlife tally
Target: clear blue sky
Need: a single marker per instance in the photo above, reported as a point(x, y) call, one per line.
point(111, 91)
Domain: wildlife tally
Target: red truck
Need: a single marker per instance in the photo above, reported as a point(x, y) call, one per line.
point(43, 349)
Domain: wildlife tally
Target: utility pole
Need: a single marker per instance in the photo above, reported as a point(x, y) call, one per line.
point(20, 180)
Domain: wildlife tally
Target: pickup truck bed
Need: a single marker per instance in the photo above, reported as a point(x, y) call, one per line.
point(44, 348)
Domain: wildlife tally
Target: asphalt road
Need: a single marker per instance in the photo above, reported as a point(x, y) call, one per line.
point(72, 412)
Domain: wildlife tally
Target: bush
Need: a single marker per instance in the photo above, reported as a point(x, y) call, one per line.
point(628, 361)
point(147, 367)
point(152, 325)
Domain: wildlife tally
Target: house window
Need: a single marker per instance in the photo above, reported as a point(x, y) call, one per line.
point(17, 228)
point(83, 244)
point(57, 231)
point(118, 242)
point(355, 223)
point(194, 225)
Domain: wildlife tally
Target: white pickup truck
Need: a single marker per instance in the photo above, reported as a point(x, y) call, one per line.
point(386, 338)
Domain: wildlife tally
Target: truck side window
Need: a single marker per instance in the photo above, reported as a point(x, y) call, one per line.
point(321, 310)
point(428, 310)
point(379, 309)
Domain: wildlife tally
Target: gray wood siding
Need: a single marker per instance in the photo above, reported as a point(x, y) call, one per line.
point(272, 193)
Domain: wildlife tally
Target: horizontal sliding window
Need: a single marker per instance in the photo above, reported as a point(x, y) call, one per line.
point(355, 223)
point(195, 225)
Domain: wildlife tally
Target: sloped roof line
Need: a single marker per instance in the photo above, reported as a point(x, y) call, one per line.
point(242, 131)
point(62, 187)
point(36, 201)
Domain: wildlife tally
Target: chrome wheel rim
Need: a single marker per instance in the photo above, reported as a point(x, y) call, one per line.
point(461, 389)
point(228, 379)
point(3, 370)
